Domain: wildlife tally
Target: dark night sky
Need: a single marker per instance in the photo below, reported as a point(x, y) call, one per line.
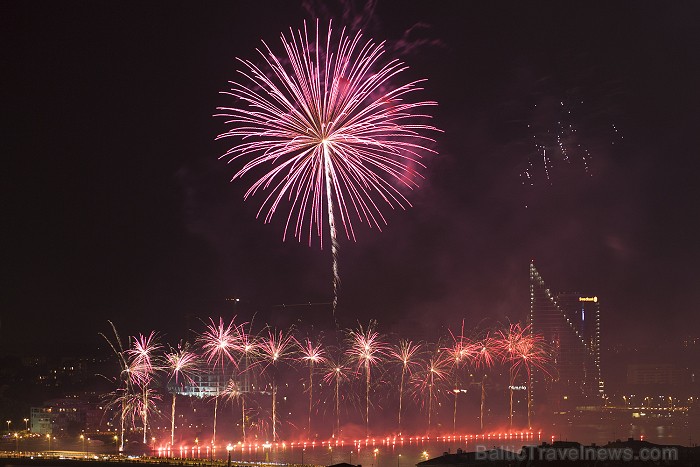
point(115, 205)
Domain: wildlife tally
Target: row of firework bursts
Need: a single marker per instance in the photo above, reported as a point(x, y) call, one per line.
point(423, 373)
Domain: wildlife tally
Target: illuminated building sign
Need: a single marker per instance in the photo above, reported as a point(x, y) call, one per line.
point(588, 299)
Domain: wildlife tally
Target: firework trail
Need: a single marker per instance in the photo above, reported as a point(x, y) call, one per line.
point(366, 349)
point(120, 400)
point(248, 347)
point(182, 366)
point(218, 341)
point(404, 353)
point(336, 372)
point(524, 349)
point(510, 341)
point(532, 354)
point(485, 352)
point(427, 376)
point(234, 391)
point(133, 405)
point(275, 349)
point(311, 355)
point(458, 352)
point(327, 124)
point(118, 396)
point(432, 373)
point(144, 364)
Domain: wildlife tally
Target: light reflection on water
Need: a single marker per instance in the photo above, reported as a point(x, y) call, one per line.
point(391, 452)
point(370, 453)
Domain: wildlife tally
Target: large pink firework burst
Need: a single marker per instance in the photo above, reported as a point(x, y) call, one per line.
point(333, 133)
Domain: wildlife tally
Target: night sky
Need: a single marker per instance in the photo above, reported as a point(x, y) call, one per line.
point(115, 205)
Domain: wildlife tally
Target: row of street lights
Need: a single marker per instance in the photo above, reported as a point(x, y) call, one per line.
point(229, 448)
point(83, 438)
point(26, 424)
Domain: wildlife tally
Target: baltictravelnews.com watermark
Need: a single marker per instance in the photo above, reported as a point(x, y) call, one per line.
point(579, 453)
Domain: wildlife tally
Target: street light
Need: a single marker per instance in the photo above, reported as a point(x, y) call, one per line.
point(330, 449)
point(267, 448)
point(398, 461)
point(153, 446)
point(302, 455)
point(26, 424)
point(17, 442)
point(8, 425)
point(82, 438)
point(228, 449)
point(116, 445)
point(48, 436)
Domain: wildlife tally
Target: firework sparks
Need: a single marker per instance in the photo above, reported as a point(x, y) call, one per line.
point(460, 351)
point(133, 406)
point(366, 358)
point(523, 349)
point(311, 355)
point(116, 398)
point(336, 373)
point(143, 365)
point(428, 380)
point(143, 362)
point(510, 341)
point(404, 353)
point(366, 350)
point(234, 391)
point(248, 346)
point(182, 367)
point(328, 121)
point(275, 348)
point(485, 353)
point(218, 341)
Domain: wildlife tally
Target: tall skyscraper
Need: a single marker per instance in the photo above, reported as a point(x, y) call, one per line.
point(570, 324)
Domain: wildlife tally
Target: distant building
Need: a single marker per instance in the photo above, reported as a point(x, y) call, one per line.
point(570, 324)
point(656, 374)
point(67, 415)
point(205, 384)
point(41, 419)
